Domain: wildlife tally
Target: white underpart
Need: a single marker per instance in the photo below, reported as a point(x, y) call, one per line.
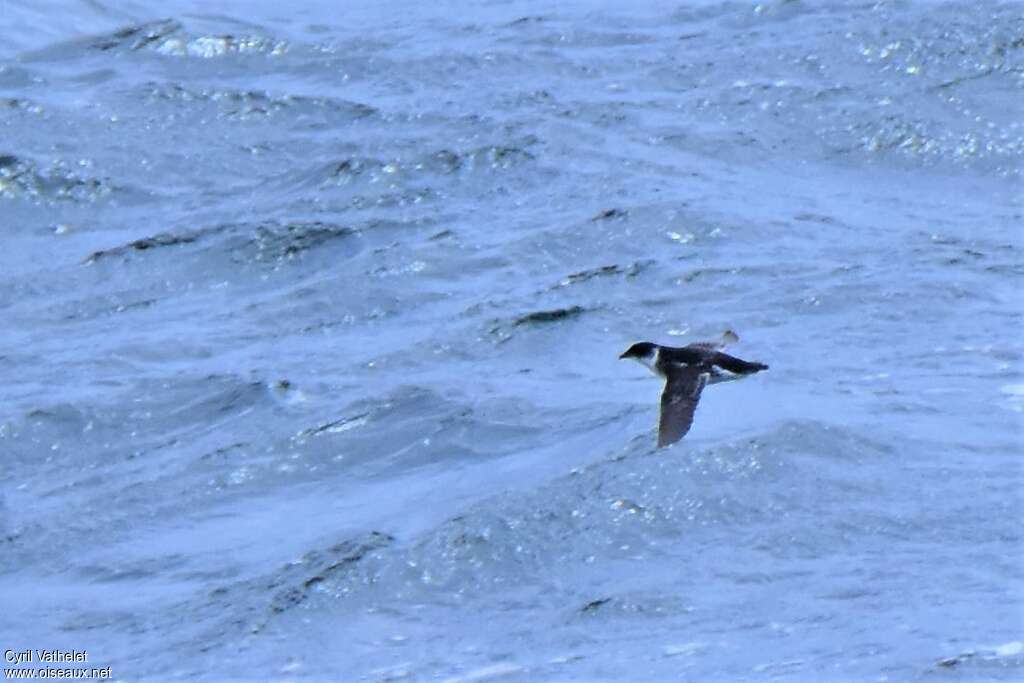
point(648, 363)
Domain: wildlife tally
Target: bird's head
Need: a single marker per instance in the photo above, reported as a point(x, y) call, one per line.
point(641, 351)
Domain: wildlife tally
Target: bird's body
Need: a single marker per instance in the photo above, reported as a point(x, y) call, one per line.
point(687, 370)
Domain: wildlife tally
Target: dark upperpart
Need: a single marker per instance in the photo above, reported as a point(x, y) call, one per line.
point(639, 350)
point(737, 365)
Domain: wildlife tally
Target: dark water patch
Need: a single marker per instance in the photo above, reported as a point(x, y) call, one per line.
point(815, 218)
point(959, 80)
point(527, 21)
point(1003, 660)
point(136, 37)
point(21, 178)
point(166, 37)
point(707, 13)
point(978, 253)
point(630, 271)
point(409, 428)
point(402, 199)
point(585, 275)
point(89, 309)
point(906, 122)
point(582, 37)
point(246, 243)
point(701, 273)
point(151, 465)
point(171, 448)
point(294, 583)
point(932, 62)
point(284, 242)
point(118, 571)
point(548, 316)
point(18, 78)
point(631, 606)
point(223, 395)
point(373, 181)
point(258, 104)
point(163, 239)
point(46, 426)
point(505, 330)
point(341, 424)
point(1004, 269)
point(227, 452)
point(638, 507)
point(147, 35)
point(594, 605)
point(610, 213)
point(159, 416)
point(20, 105)
point(498, 156)
point(488, 157)
point(350, 170)
point(443, 162)
point(253, 604)
point(204, 618)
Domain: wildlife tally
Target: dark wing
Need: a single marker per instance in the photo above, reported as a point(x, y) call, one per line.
point(737, 365)
point(728, 337)
point(678, 401)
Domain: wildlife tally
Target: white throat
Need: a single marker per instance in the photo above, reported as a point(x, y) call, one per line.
point(648, 363)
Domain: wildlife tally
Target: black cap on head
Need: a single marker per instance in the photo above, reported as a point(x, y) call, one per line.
point(639, 350)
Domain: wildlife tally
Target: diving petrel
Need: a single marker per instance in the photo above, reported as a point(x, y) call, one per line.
point(687, 370)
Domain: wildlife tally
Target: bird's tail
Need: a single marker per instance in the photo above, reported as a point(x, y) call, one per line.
point(737, 365)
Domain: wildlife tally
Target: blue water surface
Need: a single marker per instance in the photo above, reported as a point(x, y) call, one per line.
point(311, 317)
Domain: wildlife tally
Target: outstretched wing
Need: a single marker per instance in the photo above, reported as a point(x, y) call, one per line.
point(728, 337)
point(678, 402)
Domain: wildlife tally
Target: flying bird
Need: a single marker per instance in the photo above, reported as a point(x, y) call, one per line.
point(687, 370)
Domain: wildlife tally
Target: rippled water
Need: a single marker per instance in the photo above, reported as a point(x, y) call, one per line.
point(312, 320)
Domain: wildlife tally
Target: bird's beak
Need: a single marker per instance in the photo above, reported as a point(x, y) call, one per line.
point(622, 355)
